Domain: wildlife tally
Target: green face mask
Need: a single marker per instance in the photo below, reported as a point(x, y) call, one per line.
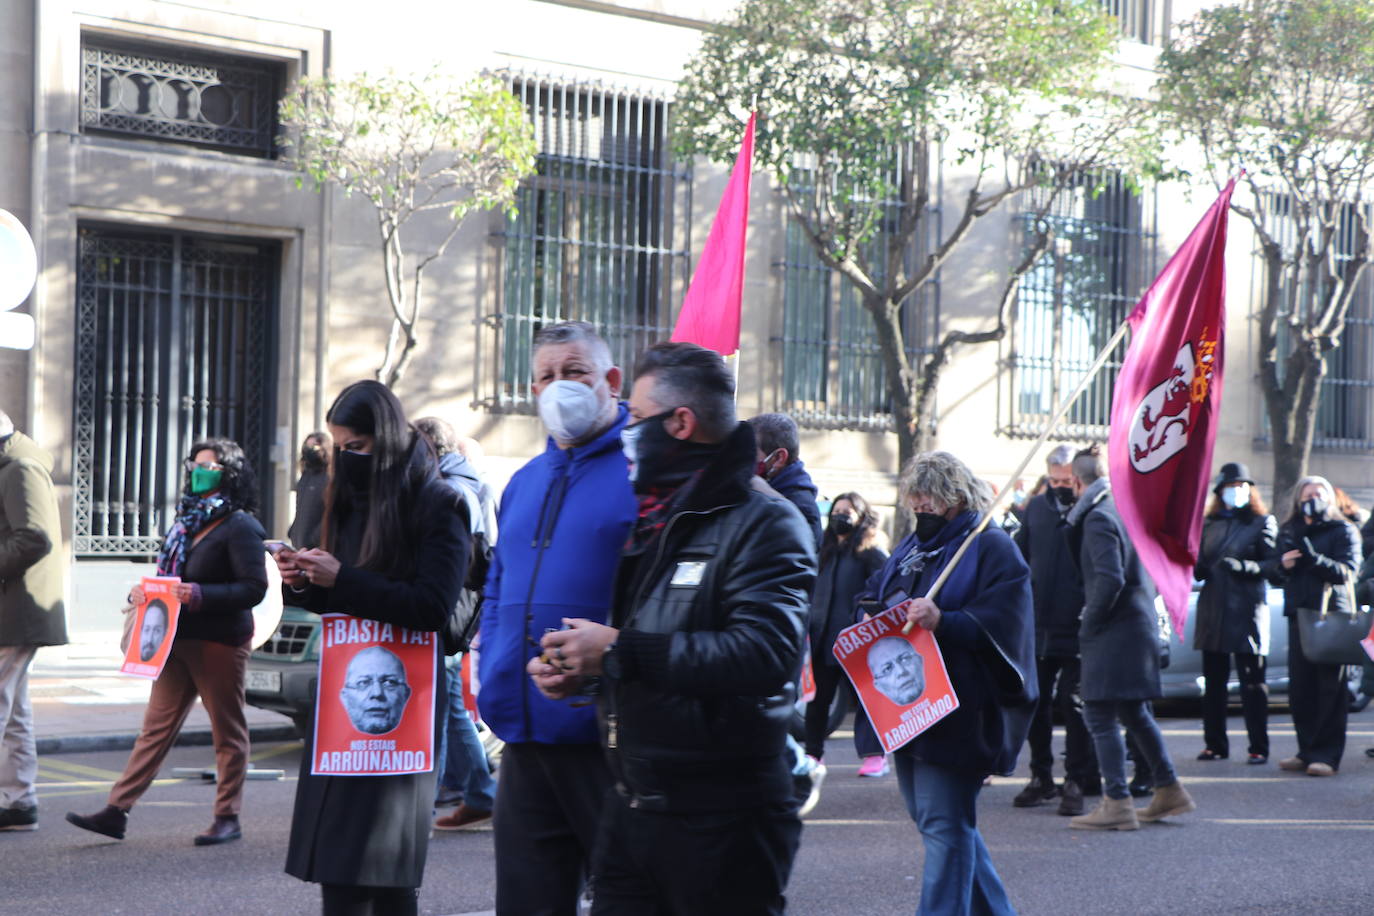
point(204, 480)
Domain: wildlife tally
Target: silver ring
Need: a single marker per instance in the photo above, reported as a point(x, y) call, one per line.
point(558, 652)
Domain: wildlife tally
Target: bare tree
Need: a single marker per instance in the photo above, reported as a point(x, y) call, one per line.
point(859, 99)
point(1281, 89)
point(410, 146)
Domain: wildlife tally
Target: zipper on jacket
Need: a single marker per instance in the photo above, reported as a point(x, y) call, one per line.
point(611, 731)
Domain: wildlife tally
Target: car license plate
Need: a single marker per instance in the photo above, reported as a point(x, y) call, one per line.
point(263, 681)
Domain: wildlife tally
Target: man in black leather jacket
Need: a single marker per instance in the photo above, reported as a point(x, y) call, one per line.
point(698, 668)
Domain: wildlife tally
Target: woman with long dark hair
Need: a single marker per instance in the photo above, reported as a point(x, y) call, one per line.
point(1315, 562)
point(394, 549)
point(215, 547)
point(849, 555)
point(1238, 539)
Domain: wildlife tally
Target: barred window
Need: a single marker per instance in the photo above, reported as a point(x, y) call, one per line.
point(180, 95)
point(1072, 301)
point(832, 370)
point(1345, 409)
point(600, 233)
point(1145, 21)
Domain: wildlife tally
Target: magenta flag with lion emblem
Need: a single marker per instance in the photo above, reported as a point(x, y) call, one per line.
point(1166, 405)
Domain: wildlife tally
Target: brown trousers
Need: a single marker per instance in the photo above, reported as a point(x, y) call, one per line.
point(213, 671)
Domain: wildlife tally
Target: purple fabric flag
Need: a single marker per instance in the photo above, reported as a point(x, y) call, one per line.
point(1166, 406)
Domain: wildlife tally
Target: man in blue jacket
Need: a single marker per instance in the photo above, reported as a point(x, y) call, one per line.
point(564, 517)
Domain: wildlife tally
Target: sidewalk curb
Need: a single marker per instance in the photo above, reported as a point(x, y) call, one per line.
point(123, 741)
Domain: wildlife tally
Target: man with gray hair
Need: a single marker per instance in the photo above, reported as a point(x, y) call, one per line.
point(564, 517)
point(1057, 590)
point(32, 613)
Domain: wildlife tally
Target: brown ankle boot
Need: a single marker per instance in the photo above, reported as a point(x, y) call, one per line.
point(1168, 801)
point(1110, 814)
point(223, 830)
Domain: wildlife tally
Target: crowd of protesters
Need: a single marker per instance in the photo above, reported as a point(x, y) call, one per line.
point(642, 596)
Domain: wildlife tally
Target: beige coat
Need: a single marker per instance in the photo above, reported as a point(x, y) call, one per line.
point(32, 565)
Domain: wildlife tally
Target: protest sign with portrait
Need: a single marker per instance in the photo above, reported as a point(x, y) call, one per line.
point(900, 678)
point(374, 706)
point(154, 628)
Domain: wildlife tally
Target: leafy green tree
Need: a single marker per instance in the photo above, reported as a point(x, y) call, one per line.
point(410, 146)
point(1284, 89)
point(859, 100)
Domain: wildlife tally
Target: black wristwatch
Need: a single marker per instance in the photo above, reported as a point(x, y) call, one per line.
point(610, 663)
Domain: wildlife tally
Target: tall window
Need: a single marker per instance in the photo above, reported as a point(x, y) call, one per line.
point(181, 95)
point(832, 370)
point(600, 234)
point(174, 343)
point(1345, 411)
point(1145, 21)
point(1072, 301)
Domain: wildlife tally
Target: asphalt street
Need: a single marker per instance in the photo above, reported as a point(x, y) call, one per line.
point(1262, 841)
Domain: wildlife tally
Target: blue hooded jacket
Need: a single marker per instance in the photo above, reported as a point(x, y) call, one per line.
point(564, 518)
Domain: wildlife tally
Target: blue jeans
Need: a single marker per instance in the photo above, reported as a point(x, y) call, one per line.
point(958, 878)
point(460, 749)
point(1102, 718)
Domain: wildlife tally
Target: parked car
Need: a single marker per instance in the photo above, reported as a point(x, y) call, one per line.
point(1182, 680)
point(283, 675)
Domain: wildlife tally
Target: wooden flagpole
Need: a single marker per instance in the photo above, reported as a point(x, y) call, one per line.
point(1025, 462)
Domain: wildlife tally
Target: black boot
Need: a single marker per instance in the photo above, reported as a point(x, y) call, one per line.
point(108, 821)
point(1039, 790)
point(1070, 799)
point(223, 830)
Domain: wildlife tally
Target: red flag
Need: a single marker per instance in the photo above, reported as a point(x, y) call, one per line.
point(710, 311)
point(1165, 408)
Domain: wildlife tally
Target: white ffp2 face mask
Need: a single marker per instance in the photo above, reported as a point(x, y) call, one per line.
point(1235, 497)
point(569, 409)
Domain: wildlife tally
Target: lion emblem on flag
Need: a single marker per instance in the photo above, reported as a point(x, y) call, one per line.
point(1160, 424)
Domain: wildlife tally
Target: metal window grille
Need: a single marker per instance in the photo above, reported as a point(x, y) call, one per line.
point(1072, 301)
point(1345, 406)
point(173, 344)
point(226, 103)
point(832, 370)
point(600, 233)
point(1144, 21)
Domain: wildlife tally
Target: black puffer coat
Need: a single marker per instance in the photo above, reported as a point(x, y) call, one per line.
point(711, 619)
point(1056, 584)
point(1232, 614)
point(1331, 555)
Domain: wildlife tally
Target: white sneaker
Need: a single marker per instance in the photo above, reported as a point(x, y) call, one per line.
point(817, 776)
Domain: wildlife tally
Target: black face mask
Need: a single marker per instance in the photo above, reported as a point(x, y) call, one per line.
point(1064, 495)
point(662, 461)
point(1314, 507)
point(356, 469)
point(314, 458)
point(842, 524)
point(928, 525)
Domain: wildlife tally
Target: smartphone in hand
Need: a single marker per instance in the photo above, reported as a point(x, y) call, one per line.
point(279, 548)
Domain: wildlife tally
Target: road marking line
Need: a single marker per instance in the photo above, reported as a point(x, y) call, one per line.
point(275, 751)
point(79, 769)
point(850, 822)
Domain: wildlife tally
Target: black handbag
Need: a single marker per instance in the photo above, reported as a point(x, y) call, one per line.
point(1333, 637)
